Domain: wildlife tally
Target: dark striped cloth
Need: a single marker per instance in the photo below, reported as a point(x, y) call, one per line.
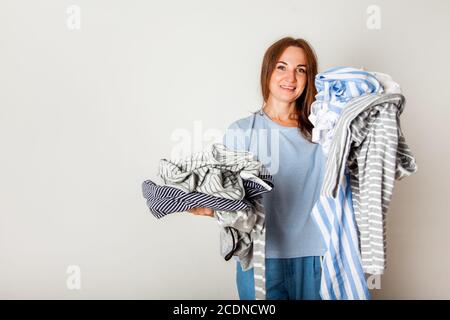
point(164, 200)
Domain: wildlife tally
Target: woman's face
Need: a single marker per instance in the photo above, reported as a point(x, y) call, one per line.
point(288, 79)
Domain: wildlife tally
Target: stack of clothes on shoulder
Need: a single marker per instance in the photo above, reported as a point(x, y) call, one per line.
point(356, 118)
point(229, 182)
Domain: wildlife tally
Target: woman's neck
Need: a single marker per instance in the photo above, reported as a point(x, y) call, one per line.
point(280, 110)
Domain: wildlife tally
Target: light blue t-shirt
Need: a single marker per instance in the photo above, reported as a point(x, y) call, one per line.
point(297, 167)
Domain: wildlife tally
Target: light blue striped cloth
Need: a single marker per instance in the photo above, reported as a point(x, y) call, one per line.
point(342, 272)
point(335, 88)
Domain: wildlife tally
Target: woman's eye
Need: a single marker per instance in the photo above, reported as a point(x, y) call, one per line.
point(280, 67)
point(301, 70)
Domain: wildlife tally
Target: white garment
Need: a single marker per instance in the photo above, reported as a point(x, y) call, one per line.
point(389, 85)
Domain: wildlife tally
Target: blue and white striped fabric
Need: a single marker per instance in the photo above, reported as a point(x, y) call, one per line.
point(342, 272)
point(335, 88)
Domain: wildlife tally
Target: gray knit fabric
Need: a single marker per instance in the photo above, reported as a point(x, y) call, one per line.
point(370, 143)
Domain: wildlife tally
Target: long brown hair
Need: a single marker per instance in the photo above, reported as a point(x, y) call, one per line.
point(303, 103)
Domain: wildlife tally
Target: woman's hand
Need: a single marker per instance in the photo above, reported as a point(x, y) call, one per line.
point(202, 211)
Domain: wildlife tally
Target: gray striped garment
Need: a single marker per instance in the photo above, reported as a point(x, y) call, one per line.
point(219, 171)
point(258, 254)
point(369, 143)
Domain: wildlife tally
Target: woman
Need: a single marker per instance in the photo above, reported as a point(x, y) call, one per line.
point(293, 241)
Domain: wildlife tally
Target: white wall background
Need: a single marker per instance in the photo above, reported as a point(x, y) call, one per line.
point(86, 114)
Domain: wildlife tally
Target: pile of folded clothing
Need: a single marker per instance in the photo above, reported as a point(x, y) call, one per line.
point(227, 181)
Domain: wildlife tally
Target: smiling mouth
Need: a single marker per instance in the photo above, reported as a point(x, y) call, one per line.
point(289, 88)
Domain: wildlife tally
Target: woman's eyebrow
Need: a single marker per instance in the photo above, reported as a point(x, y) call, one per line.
point(300, 65)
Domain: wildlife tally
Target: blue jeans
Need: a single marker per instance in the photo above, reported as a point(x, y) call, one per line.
point(286, 279)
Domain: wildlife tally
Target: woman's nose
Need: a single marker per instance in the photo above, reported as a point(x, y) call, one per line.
point(291, 76)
